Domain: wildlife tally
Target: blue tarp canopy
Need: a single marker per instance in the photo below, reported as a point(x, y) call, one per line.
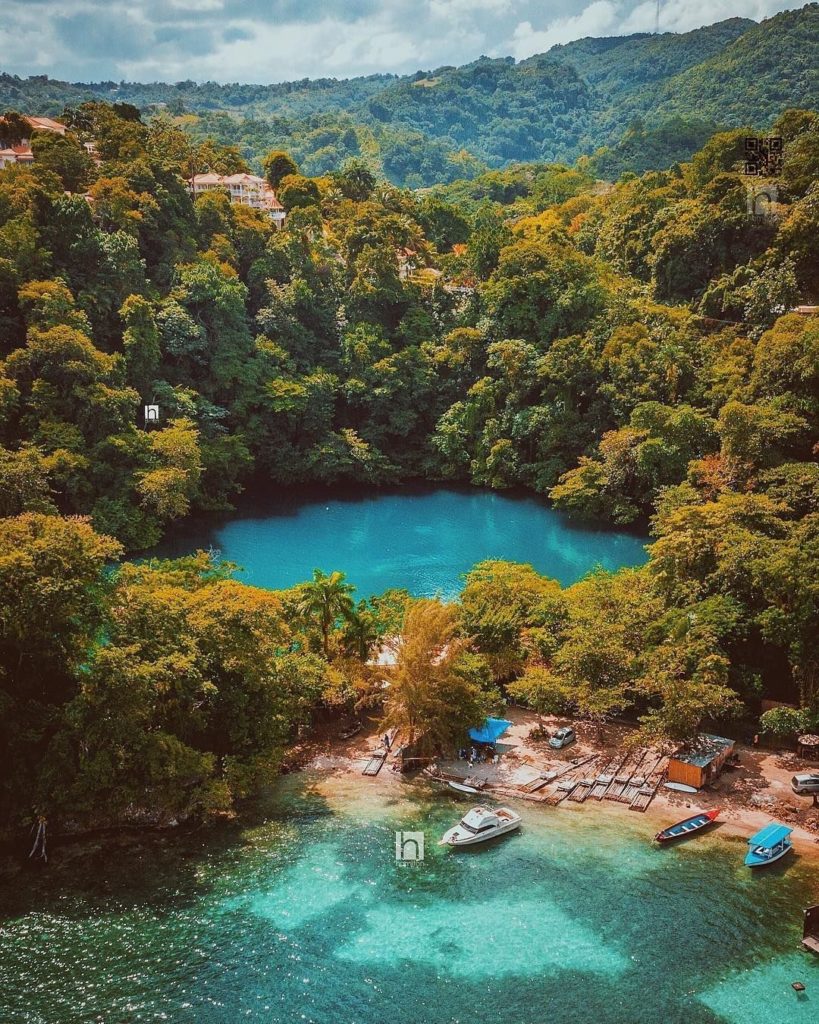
point(769, 836)
point(490, 731)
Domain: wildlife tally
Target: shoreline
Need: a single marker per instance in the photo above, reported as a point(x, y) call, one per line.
point(750, 797)
point(762, 775)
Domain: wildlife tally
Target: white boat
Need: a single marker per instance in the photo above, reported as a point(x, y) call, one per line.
point(462, 788)
point(480, 824)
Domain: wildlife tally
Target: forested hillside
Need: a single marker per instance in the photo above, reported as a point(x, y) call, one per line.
point(629, 350)
point(653, 100)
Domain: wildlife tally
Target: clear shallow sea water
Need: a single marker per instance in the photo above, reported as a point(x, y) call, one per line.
point(423, 539)
point(307, 916)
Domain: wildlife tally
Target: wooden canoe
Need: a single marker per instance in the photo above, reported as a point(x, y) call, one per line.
point(688, 826)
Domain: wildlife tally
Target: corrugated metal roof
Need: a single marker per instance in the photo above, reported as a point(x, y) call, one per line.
point(702, 751)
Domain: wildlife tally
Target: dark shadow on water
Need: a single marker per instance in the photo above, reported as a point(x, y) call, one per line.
point(160, 869)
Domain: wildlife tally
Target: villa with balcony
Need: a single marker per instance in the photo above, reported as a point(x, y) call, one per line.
point(243, 189)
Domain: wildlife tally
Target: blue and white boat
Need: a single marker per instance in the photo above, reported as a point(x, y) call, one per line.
point(688, 826)
point(768, 845)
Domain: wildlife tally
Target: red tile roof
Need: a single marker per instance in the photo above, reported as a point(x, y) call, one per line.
point(47, 124)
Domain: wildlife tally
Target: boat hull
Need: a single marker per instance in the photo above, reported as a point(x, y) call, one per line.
point(753, 860)
point(475, 840)
point(687, 827)
point(449, 838)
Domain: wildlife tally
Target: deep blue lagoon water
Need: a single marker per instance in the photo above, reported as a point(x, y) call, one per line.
point(307, 917)
point(421, 539)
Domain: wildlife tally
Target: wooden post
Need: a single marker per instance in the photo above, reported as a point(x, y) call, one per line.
point(810, 930)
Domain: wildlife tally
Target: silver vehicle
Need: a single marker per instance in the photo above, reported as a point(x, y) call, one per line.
point(562, 738)
point(805, 782)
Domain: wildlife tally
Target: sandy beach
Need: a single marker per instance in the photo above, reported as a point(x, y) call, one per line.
point(757, 791)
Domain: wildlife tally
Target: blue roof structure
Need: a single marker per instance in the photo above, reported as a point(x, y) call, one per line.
point(491, 730)
point(770, 835)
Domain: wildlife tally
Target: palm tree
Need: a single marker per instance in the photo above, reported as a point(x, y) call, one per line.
point(326, 599)
point(361, 632)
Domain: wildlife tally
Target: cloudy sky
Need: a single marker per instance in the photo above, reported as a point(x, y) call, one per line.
point(277, 40)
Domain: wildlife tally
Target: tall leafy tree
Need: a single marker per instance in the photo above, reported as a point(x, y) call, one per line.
point(325, 600)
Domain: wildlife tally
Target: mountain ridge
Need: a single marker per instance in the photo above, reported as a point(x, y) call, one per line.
point(436, 125)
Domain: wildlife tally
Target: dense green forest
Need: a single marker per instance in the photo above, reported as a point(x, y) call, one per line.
point(635, 103)
point(628, 349)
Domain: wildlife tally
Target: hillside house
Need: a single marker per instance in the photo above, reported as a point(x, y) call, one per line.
point(16, 155)
point(20, 153)
point(243, 189)
point(46, 124)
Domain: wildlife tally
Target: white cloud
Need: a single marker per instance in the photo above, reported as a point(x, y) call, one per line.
point(458, 8)
point(616, 18)
point(275, 53)
point(197, 5)
point(598, 19)
point(275, 40)
point(685, 15)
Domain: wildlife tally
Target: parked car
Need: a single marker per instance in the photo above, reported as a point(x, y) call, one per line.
point(562, 738)
point(805, 782)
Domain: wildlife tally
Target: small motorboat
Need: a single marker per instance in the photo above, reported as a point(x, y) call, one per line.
point(688, 826)
point(770, 844)
point(480, 824)
point(349, 730)
point(463, 788)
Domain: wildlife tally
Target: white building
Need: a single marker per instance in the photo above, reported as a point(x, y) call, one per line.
point(244, 189)
point(16, 155)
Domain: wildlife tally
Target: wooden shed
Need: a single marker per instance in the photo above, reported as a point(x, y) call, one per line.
point(700, 761)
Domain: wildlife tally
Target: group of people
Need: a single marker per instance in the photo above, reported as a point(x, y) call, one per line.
point(475, 755)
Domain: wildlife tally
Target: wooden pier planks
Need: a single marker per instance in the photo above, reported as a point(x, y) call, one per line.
point(375, 763)
point(536, 784)
point(624, 777)
point(570, 781)
point(606, 777)
point(646, 794)
point(581, 791)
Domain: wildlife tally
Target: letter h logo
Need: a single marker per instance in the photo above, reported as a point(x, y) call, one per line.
point(409, 845)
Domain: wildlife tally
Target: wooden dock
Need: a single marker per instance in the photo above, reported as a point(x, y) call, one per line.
point(624, 777)
point(539, 783)
point(606, 778)
point(375, 763)
point(643, 797)
point(569, 779)
point(581, 791)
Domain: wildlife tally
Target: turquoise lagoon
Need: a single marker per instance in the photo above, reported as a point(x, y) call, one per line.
point(306, 916)
point(423, 539)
